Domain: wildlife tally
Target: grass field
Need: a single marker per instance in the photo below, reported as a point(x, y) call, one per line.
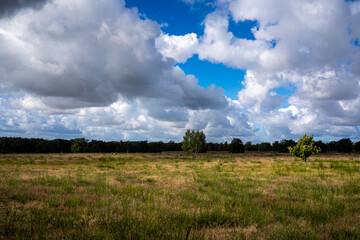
point(175, 196)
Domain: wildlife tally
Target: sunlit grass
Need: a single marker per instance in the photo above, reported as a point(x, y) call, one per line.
point(175, 196)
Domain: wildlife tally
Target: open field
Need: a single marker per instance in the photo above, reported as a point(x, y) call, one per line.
point(175, 196)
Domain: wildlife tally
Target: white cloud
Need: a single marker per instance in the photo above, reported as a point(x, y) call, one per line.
point(309, 44)
point(179, 48)
point(97, 68)
point(220, 45)
point(92, 68)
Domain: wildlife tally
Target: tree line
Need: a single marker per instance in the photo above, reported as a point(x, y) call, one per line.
point(38, 145)
point(82, 145)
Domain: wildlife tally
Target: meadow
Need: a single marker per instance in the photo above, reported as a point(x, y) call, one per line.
point(175, 196)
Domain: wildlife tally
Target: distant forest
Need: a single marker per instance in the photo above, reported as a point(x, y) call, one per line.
point(82, 145)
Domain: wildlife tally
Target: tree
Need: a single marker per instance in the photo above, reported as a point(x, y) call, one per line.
point(194, 141)
point(331, 146)
point(304, 147)
point(284, 145)
point(265, 146)
point(357, 147)
point(79, 145)
point(236, 146)
point(344, 145)
point(226, 146)
point(248, 146)
point(322, 146)
point(275, 146)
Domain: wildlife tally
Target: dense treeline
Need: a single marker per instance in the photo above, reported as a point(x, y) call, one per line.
point(35, 145)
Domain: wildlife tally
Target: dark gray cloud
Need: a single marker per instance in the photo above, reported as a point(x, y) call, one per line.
point(72, 60)
point(11, 7)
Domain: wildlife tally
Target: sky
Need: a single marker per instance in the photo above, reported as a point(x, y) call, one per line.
point(259, 70)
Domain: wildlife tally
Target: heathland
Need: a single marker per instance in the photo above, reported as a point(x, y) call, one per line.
point(176, 196)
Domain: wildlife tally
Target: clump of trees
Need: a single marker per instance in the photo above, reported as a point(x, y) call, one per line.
point(304, 148)
point(194, 141)
point(344, 145)
point(236, 146)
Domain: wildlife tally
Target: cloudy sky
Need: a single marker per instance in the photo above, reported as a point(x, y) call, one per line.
point(260, 70)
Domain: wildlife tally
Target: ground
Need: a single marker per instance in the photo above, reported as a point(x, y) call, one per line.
point(176, 196)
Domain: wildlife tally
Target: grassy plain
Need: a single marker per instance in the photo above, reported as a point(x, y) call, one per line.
point(175, 196)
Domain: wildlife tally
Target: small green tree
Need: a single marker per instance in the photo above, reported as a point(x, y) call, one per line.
point(305, 147)
point(79, 145)
point(194, 141)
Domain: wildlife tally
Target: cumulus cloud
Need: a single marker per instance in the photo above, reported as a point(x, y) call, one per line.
point(80, 53)
point(96, 67)
point(179, 48)
point(314, 51)
point(221, 46)
point(83, 54)
point(312, 45)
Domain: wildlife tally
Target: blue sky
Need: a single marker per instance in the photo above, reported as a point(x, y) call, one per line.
point(208, 73)
point(180, 18)
point(259, 70)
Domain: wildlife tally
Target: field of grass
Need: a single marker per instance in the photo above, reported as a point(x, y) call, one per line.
point(175, 196)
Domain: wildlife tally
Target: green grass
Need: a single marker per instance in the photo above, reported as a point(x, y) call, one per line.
point(175, 196)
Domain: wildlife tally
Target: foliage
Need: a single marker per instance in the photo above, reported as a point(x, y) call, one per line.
point(283, 145)
point(38, 145)
point(265, 146)
point(194, 141)
point(324, 147)
point(236, 146)
point(304, 147)
point(357, 147)
point(250, 147)
point(344, 145)
point(226, 146)
point(332, 146)
point(79, 145)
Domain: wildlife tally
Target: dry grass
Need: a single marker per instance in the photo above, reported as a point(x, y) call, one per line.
point(175, 196)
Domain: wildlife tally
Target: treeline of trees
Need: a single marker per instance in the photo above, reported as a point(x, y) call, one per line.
point(344, 145)
point(35, 145)
point(236, 145)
